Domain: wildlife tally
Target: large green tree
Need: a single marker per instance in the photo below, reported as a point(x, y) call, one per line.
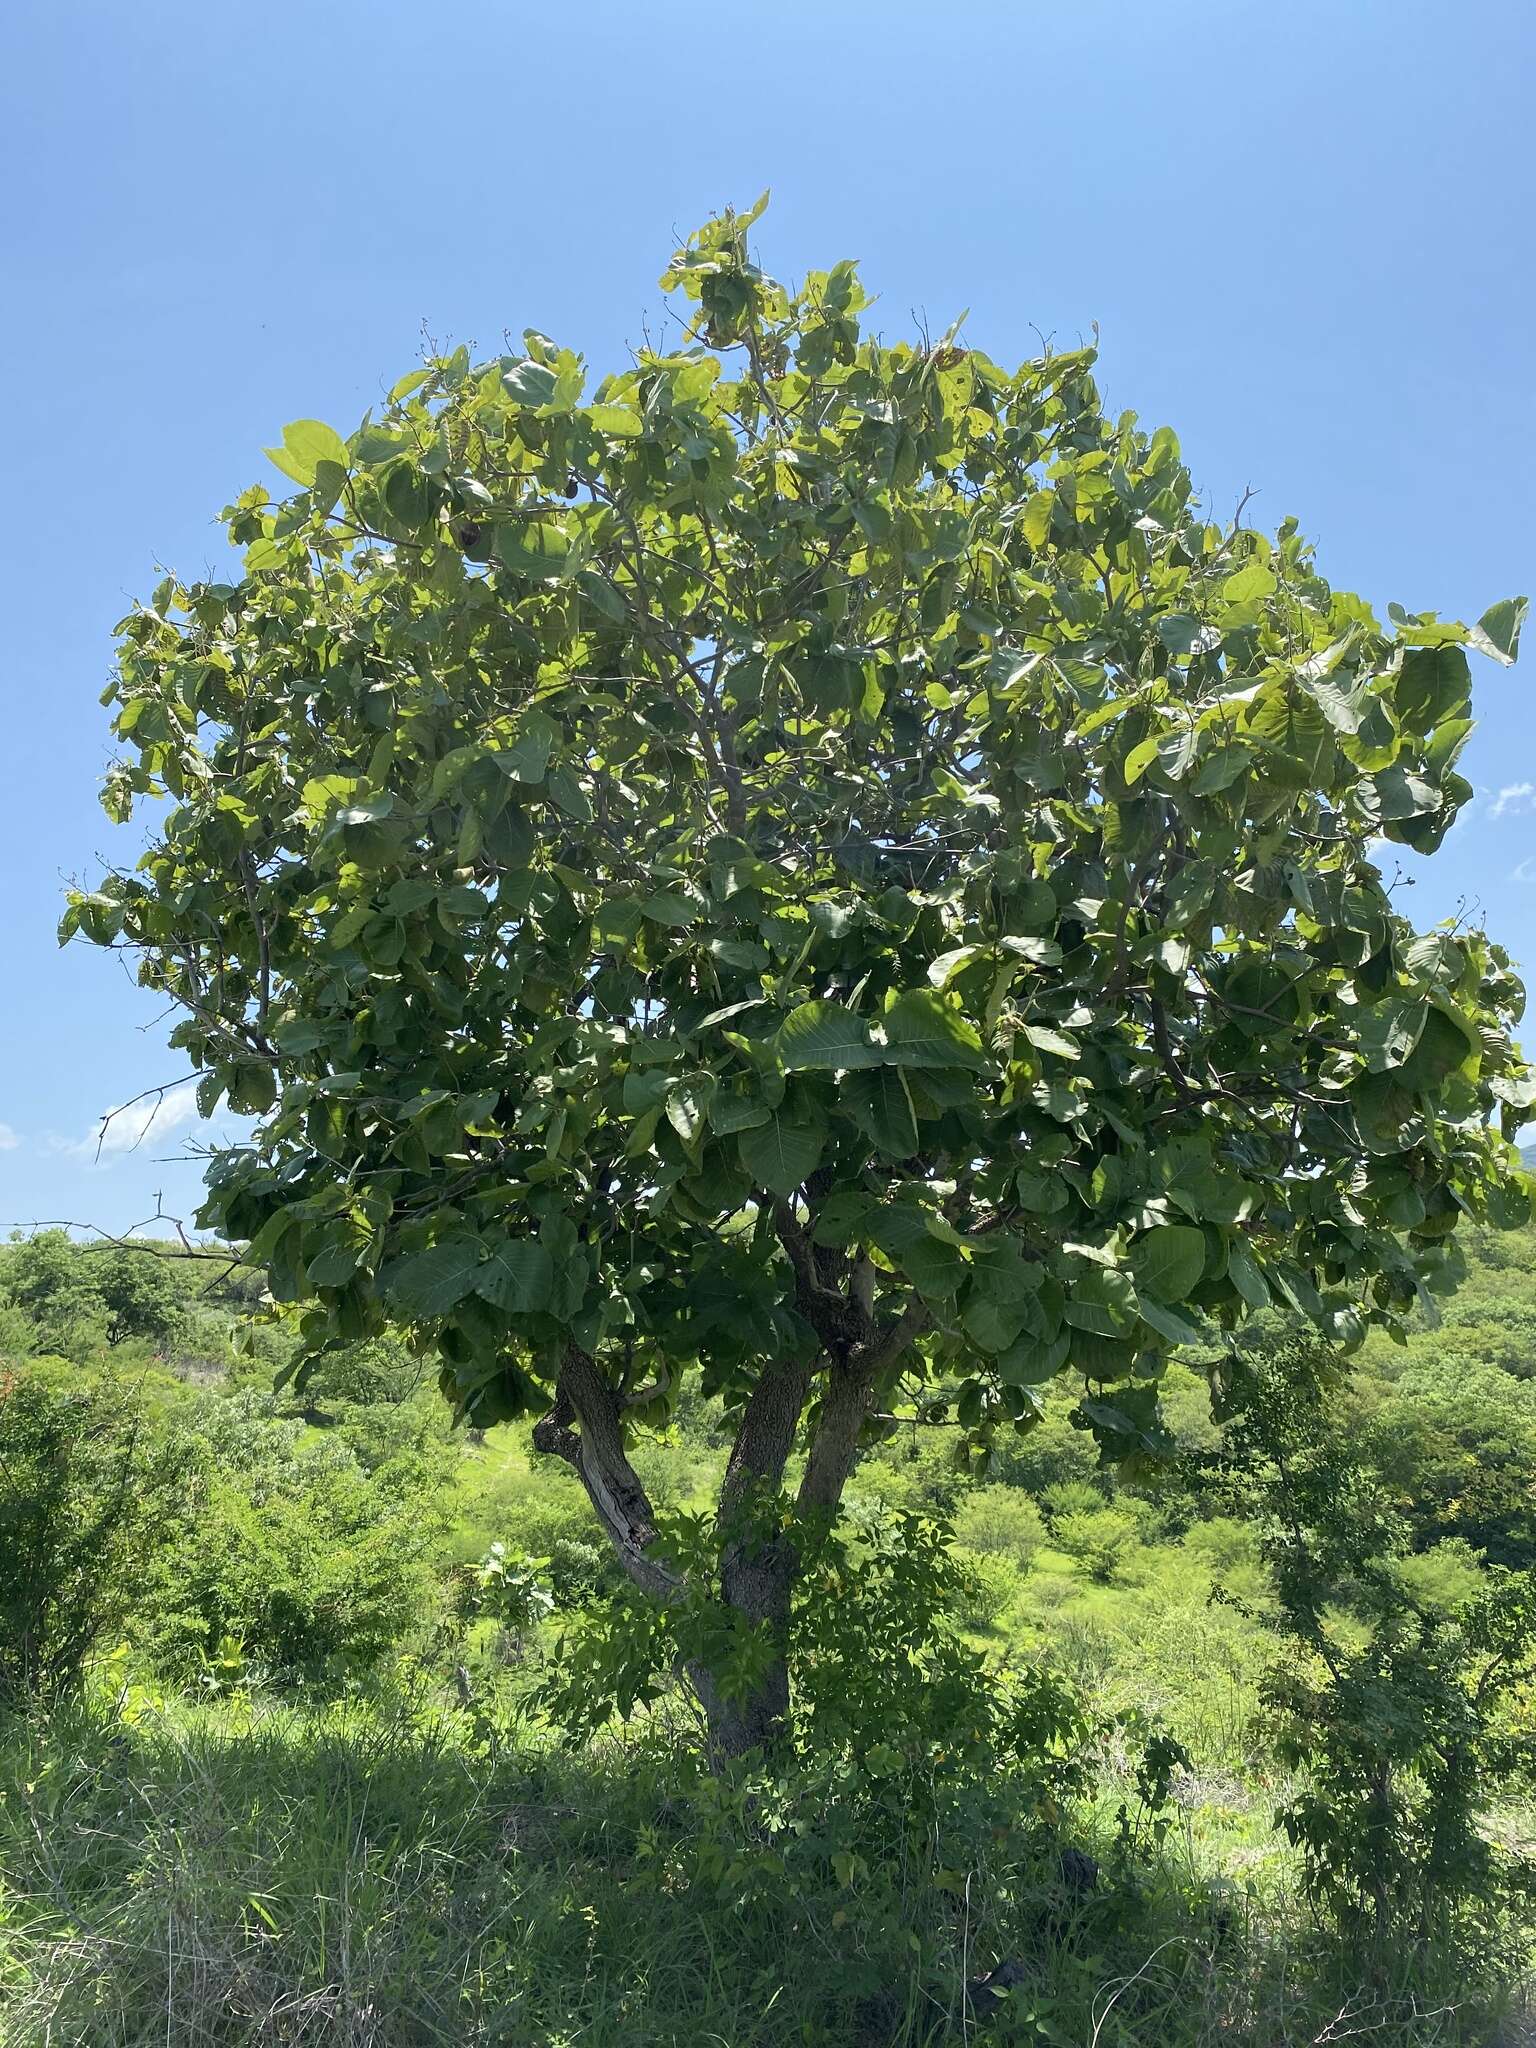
point(812, 865)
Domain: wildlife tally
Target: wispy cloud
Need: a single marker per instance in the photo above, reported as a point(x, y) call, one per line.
point(1513, 798)
point(1526, 872)
point(126, 1128)
point(8, 1139)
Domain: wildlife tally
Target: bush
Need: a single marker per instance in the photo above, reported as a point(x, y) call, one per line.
point(1445, 1576)
point(986, 1590)
point(85, 1490)
point(1402, 1712)
point(1000, 1521)
point(294, 1549)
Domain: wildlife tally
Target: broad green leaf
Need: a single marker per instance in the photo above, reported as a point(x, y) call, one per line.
point(1037, 517)
point(432, 1282)
point(880, 1103)
point(615, 419)
point(781, 1152)
point(922, 1030)
point(527, 759)
point(306, 444)
point(669, 907)
point(825, 1035)
point(1497, 632)
point(934, 1268)
point(517, 1275)
point(1176, 1329)
point(1168, 1260)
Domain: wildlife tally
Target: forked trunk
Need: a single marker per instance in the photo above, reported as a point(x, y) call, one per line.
point(759, 1557)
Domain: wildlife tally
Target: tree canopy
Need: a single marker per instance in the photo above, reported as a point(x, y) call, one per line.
point(815, 862)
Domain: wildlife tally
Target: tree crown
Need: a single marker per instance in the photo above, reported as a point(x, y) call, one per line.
point(815, 846)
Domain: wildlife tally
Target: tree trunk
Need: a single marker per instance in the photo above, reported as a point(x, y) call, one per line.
point(739, 1726)
point(759, 1557)
point(757, 1564)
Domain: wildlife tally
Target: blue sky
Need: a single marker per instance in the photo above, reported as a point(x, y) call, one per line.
point(1305, 234)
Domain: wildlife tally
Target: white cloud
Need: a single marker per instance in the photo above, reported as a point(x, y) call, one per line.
point(1514, 796)
point(8, 1139)
point(1526, 872)
point(127, 1128)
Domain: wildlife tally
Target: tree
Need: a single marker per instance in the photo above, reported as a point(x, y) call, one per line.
point(812, 866)
point(81, 1295)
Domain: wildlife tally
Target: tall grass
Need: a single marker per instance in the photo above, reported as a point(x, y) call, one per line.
point(360, 1875)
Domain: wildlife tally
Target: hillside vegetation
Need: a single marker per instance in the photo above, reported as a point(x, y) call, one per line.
point(325, 1777)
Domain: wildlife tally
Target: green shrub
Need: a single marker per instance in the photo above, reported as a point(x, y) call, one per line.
point(1000, 1521)
point(1445, 1576)
point(86, 1487)
point(988, 1584)
point(311, 1562)
point(80, 1298)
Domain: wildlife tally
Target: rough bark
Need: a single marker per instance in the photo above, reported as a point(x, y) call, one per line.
point(595, 1451)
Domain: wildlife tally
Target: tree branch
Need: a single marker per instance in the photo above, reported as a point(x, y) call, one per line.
point(595, 1452)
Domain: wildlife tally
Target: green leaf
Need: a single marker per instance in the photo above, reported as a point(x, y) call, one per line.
point(669, 907)
point(1031, 1361)
point(1497, 632)
point(336, 1264)
point(1168, 1260)
point(921, 1030)
point(527, 759)
point(1139, 760)
point(825, 1035)
point(780, 1153)
point(901, 1231)
point(528, 382)
point(687, 1103)
point(534, 552)
point(615, 419)
point(1389, 1030)
point(1254, 580)
point(1434, 683)
point(1037, 517)
point(408, 496)
point(880, 1103)
point(1243, 1272)
point(1177, 1329)
point(1048, 1039)
point(432, 1282)
point(991, 1324)
point(517, 1276)
point(943, 970)
point(566, 789)
point(306, 444)
point(1038, 952)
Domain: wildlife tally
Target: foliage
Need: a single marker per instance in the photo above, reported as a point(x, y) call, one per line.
point(353, 1872)
point(79, 1298)
point(1398, 1707)
point(161, 1816)
point(1099, 1536)
point(83, 1497)
point(289, 1546)
point(813, 864)
point(509, 1587)
point(1000, 1521)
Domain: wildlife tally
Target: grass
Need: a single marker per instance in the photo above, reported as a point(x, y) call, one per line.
point(364, 1874)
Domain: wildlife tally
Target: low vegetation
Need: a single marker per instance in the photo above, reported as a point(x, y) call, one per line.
point(316, 1724)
